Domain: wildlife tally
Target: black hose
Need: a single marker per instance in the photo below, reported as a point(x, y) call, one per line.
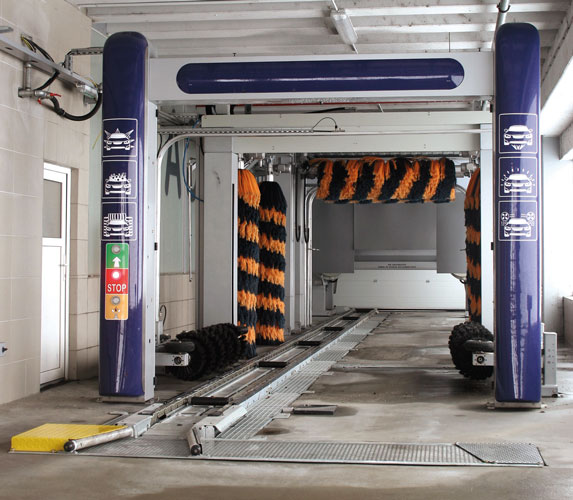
point(35, 47)
point(77, 118)
point(48, 82)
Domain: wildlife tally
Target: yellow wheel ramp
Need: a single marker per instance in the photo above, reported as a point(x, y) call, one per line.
point(51, 438)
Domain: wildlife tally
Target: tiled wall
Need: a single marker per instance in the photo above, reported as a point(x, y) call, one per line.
point(29, 135)
point(177, 292)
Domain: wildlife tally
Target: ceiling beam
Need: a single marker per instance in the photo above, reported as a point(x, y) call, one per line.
point(458, 8)
point(235, 11)
point(557, 81)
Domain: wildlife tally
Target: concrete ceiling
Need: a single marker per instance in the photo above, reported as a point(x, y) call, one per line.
point(283, 27)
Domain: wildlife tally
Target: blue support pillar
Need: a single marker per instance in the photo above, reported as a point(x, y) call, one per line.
point(517, 209)
point(122, 342)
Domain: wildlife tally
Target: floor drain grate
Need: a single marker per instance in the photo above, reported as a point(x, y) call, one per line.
point(371, 453)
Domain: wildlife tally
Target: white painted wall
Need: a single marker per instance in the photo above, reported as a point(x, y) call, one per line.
point(408, 289)
point(557, 234)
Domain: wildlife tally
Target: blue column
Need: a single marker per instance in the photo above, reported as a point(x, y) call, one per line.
point(123, 153)
point(517, 195)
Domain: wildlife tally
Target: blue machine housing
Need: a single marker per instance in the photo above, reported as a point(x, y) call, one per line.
point(320, 76)
point(517, 215)
point(123, 153)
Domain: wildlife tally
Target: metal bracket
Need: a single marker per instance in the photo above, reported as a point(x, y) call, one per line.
point(36, 61)
point(482, 358)
point(168, 359)
point(87, 51)
point(549, 387)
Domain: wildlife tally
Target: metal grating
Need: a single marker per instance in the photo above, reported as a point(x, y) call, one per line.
point(505, 453)
point(349, 453)
point(145, 446)
point(261, 412)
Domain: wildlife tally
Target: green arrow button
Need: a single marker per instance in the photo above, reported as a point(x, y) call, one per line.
point(117, 255)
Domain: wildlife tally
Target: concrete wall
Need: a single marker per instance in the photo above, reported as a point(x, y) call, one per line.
point(29, 135)
point(557, 234)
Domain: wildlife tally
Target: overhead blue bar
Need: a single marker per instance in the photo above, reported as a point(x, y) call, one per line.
point(517, 215)
point(350, 75)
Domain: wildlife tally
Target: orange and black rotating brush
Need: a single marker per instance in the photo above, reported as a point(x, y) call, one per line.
point(473, 246)
point(272, 243)
point(248, 257)
point(375, 180)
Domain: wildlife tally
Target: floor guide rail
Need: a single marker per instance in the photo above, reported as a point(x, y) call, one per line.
point(221, 420)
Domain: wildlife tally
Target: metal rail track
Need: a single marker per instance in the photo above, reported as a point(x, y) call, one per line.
point(281, 353)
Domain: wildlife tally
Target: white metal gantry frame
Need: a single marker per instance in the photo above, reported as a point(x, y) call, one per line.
point(231, 135)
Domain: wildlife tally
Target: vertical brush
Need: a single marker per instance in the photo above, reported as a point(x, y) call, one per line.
point(272, 243)
point(473, 246)
point(248, 257)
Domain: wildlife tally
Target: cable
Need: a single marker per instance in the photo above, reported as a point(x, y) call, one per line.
point(189, 189)
point(164, 308)
point(64, 114)
point(49, 81)
point(34, 47)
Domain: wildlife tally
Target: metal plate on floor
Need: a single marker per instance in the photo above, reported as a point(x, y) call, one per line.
point(144, 447)
point(360, 453)
point(505, 453)
point(333, 452)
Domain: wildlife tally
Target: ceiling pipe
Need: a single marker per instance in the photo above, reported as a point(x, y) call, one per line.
point(503, 8)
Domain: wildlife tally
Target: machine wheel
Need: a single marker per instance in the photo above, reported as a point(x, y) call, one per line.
point(462, 357)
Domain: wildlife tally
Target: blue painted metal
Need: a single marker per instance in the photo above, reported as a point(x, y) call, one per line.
point(123, 153)
point(517, 215)
point(351, 75)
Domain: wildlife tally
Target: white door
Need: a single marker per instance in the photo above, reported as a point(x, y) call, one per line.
point(55, 263)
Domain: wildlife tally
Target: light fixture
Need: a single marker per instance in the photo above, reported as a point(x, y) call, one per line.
point(343, 25)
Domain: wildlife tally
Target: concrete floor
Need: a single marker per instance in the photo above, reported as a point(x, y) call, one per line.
point(398, 386)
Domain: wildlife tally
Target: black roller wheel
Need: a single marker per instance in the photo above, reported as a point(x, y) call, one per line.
point(461, 357)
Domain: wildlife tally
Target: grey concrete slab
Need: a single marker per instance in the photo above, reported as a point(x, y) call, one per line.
point(391, 400)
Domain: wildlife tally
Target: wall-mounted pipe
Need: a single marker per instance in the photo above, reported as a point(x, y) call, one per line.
point(160, 156)
point(308, 201)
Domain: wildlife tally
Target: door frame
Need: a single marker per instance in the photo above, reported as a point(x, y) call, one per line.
point(49, 170)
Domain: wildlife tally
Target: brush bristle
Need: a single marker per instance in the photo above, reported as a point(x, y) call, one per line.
point(272, 242)
point(248, 257)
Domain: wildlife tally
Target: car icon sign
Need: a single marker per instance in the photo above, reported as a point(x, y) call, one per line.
point(517, 183)
point(518, 136)
point(517, 226)
point(117, 184)
point(118, 140)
